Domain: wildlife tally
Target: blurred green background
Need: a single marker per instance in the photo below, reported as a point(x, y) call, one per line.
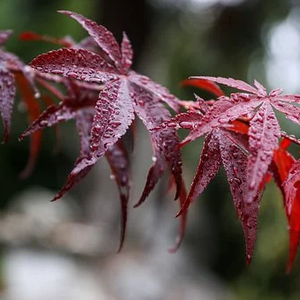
point(46, 246)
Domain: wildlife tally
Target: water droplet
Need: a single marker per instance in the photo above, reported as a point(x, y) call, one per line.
point(262, 158)
point(27, 69)
point(37, 95)
point(222, 120)
point(43, 122)
point(238, 180)
point(58, 72)
point(252, 185)
point(186, 125)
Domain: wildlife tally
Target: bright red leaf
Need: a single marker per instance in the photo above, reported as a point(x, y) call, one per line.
point(264, 128)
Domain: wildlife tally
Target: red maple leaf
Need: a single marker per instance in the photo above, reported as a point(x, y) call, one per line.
point(229, 148)
point(124, 94)
point(242, 134)
point(32, 36)
point(264, 129)
point(290, 175)
point(12, 71)
point(7, 86)
point(79, 104)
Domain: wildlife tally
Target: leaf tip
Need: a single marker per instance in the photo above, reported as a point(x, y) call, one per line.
point(55, 198)
point(248, 259)
point(65, 12)
point(141, 200)
point(183, 209)
point(6, 136)
point(288, 269)
point(175, 248)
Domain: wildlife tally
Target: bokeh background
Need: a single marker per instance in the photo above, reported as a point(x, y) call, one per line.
point(67, 249)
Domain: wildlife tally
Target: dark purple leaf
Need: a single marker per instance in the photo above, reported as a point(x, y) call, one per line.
point(82, 167)
point(164, 141)
point(32, 36)
point(7, 95)
point(154, 174)
point(235, 164)
point(77, 64)
point(119, 163)
point(103, 37)
point(51, 116)
point(208, 167)
point(156, 89)
point(183, 221)
point(114, 114)
point(127, 52)
point(84, 121)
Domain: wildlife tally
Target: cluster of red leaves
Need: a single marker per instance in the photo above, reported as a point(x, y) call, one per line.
point(14, 72)
point(242, 133)
point(103, 118)
point(103, 95)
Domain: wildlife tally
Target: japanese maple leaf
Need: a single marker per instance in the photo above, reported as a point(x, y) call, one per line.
point(13, 70)
point(7, 87)
point(290, 176)
point(32, 36)
point(227, 144)
point(221, 147)
point(264, 129)
point(87, 43)
point(79, 104)
point(204, 85)
point(228, 148)
point(285, 170)
point(281, 168)
point(34, 110)
point(124, 94)
point(117, 158)
point(219, 115)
